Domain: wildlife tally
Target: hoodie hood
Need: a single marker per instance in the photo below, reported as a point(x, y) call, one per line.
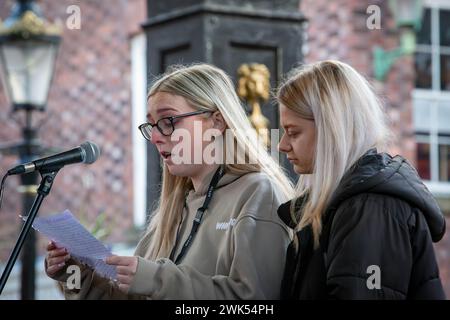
point(391, 176)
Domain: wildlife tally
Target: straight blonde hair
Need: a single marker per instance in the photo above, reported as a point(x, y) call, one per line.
point(349, 120)
point(206, 87)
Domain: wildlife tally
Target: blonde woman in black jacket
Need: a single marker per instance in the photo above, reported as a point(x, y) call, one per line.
point(364, 221)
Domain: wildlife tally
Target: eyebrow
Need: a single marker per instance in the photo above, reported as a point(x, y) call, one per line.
point(165, 109)
point(160, 111)
point(288, 126)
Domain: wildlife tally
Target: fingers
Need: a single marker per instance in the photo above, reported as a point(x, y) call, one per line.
point(124, 270)
point(54, 265)
point(55, 268)
point(113, 260)
point(56, 256)
point(51, 245)
point(57, 252)
point(124, 282)
point(118, 261)
point(124, 287)
point(57, 260)
point(124, 279)
point(53, 250)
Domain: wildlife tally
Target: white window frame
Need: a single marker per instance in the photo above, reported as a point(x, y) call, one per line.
point(436, 96)
point(138, 46)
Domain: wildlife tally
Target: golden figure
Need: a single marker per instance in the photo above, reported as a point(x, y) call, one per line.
point(254, 86)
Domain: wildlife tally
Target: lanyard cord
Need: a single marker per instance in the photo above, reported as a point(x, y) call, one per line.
point(198, 216)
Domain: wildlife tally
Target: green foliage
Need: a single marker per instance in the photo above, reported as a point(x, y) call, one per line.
point(99, 227)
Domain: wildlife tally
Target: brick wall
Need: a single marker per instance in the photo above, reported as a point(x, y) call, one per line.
point(338, 30)
point(90, 99)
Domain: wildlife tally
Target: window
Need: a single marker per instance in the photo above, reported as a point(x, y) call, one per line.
point(422, 58)
point(444, 157)
point(431, 98)
point(423, 158)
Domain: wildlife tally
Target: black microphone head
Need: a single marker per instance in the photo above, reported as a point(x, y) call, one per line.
point(91, 152)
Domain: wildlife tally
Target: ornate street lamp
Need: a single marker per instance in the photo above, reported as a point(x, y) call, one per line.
point(408, 18)
point(28, 48)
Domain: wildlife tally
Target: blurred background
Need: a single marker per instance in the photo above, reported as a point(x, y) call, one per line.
point(78, 70)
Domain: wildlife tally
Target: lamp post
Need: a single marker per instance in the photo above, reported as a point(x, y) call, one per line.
point(408, 18)
point(28, 48)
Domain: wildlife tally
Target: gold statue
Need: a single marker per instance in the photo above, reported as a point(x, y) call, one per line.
point(254, 86)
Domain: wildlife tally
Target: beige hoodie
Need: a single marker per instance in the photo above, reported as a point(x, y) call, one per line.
point(238, 251)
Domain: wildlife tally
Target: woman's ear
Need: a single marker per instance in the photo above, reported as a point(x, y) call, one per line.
point(219, 121)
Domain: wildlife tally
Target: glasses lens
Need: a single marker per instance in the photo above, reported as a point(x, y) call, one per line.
point(146, 131)
point(165, 125)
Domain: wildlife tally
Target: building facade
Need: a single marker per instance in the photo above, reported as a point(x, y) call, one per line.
point(100, 82)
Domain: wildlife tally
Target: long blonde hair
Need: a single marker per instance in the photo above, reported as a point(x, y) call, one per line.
point(349, 120)
point(205, 87)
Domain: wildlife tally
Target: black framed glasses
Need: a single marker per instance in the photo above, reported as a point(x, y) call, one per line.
point(165, 125)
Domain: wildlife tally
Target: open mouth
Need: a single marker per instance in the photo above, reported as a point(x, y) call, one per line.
point(165, 154)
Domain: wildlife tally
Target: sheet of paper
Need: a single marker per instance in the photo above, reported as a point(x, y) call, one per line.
point(66, 231)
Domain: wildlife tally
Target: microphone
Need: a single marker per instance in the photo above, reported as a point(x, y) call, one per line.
point(87, 152)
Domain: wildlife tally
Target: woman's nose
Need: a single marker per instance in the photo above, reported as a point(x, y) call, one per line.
point(283, 146)
point(157, 137)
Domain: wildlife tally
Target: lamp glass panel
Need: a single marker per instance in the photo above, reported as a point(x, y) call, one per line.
point(29, 69)
point(406, 12)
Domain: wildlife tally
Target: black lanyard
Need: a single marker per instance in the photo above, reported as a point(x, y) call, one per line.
point(198, 216)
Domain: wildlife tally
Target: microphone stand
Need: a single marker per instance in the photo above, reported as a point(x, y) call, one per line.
point(44, 189)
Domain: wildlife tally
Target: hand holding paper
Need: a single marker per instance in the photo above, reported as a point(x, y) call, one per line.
point(66, 231)
point(126, 270)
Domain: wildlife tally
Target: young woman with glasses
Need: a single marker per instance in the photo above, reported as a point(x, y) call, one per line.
point(215, 233)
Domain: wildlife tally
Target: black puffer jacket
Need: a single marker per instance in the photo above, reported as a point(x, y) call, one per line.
point(381, 216)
